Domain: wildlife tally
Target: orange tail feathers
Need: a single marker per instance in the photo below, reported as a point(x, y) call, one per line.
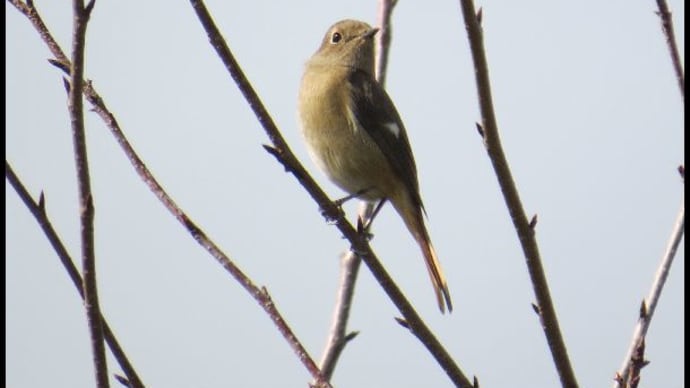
point(436, 274)
point(414, 220)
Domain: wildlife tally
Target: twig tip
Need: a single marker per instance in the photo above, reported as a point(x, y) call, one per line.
point(60, 65)
point(536, 308)
point(618, 379)
point(533, 222)
point(66, 84)
point(275, 151)
point(480, 15)
point(643, 310)
point(42, 202)
point(270, 149)
point(350, 336)
point(122, 380)
point(89, 7)
point(480, 129)
point(475, 382)
point(402, 322)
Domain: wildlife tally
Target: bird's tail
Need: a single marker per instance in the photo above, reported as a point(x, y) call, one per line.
point(436, 274)
point(414, 221)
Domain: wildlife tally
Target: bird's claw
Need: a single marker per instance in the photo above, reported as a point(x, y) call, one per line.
point(364, 230)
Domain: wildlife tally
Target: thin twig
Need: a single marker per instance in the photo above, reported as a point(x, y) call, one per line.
point(383, 40)
point(525, 233)
point(629, 373)
point(337, 335)
point(284, 155)
point(667, 26)
point(38, 210)
point(259, 294)
point(650, 304)
point(350, 262)
point(76, 110)
point(31, 13)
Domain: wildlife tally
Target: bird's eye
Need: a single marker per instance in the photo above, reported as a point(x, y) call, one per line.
point(336, 37)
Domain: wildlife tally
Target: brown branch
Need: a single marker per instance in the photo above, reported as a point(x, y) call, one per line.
point(38, 210)
point(383, 38)
point(338, 336)
point(629, 371)
point(259, 294)
point(284, 155)
point(667, 26)
point(76, 111)
point(638, 362)
point(525, 233)
point(31, 13)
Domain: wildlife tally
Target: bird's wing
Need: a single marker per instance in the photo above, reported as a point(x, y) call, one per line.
point(376, 113)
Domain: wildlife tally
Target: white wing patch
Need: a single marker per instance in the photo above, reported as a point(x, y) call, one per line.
point(393, 128)
point(354, 123)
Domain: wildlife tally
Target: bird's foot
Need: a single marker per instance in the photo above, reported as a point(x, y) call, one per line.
point(363, 229)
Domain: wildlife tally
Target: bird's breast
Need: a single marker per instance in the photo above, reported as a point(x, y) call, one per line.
point(336, 141)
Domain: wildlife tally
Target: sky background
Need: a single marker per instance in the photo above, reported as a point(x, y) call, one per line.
point(590, 117)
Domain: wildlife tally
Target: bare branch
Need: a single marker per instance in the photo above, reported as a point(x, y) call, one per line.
point(76, 111)
point(359, 244)
point(492, 142)
point(39, 212)
point(383, 39)
point(632, 360)
point(31, 13)
point(629, 373)
point(667, 27)
point(337, 337)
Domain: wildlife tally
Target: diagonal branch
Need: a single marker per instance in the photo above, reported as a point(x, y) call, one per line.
point(632, 363)
point(629, 373)
point(31, 13)
point(38, 210)
point(525, 231)
point(667, 26)
point(284, 155)
point(76, 111)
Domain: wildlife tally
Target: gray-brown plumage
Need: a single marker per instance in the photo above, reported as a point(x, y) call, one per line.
point(355, 135)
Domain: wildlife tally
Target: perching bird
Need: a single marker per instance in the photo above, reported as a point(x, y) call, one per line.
point(355, 134)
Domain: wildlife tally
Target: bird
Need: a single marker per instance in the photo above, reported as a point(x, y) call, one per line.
point(355, 135)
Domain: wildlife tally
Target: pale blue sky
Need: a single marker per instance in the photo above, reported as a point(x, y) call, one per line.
point(591, 120)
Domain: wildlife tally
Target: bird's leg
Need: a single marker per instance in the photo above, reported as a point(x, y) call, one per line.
point(341, 201)
point(362, 227)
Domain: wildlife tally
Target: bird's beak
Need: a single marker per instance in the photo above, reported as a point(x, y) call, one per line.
point(370, 33)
